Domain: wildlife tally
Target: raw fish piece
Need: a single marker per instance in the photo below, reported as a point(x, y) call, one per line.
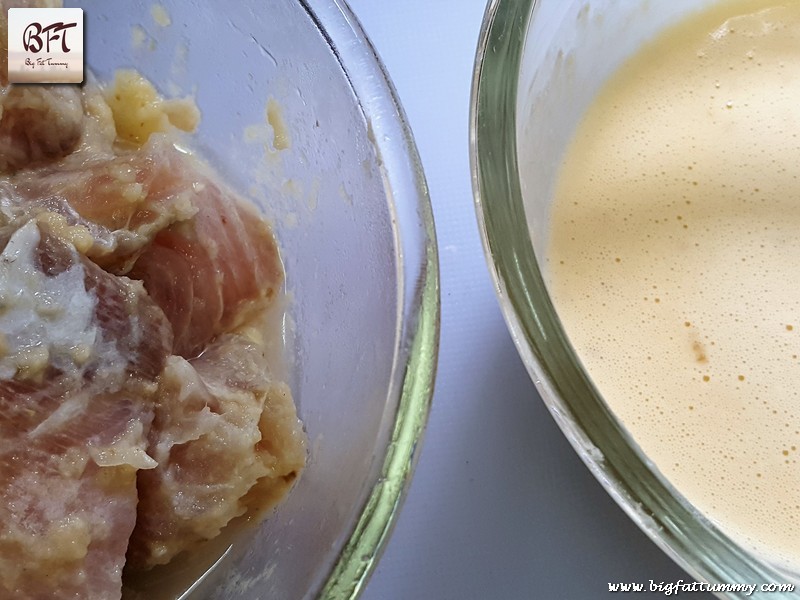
point(79, 354)
point(111, 207)
point(38, 124)
point(225, 435)
point(213, 272)
point(206, 257)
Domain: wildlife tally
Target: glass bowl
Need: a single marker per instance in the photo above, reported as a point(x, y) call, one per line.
point(539, 64)
point(347, 196)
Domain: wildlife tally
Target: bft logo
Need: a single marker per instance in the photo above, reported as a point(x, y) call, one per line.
point(32, 37)
point(45, 45)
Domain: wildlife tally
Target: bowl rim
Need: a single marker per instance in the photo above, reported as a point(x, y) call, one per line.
point(418, 323)
point(598, 437)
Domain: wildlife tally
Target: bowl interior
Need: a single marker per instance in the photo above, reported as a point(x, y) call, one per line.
point(253, 67)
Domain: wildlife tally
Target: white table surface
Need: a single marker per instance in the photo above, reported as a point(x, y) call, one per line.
point(500, 506)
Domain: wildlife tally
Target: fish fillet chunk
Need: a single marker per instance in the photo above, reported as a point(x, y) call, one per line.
point(38, 124)
point(213, 272)
point(110, 206)
point(205, 256)
point(80, 350)
point(225, 435)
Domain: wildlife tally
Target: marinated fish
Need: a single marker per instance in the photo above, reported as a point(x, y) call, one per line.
point(139, 413)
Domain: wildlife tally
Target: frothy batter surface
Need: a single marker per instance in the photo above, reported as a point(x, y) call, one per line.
point(675, 262)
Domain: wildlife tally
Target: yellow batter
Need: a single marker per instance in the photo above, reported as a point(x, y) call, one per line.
point(675, 262)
